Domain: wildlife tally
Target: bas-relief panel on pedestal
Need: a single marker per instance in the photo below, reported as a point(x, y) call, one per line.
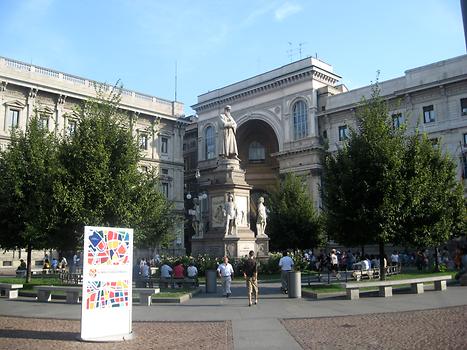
point(217, 214)
point(242, 210)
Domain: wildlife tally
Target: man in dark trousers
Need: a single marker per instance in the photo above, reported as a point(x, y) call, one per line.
point(250, 272)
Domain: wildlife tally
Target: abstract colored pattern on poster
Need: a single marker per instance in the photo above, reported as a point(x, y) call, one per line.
point(104, 295)
point(108, 247)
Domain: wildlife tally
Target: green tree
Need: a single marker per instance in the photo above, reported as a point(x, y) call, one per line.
point(385, 187)
point(434, 206)
point(100, 182)
point(28, 175)
point(293, 221)
point(364, 190)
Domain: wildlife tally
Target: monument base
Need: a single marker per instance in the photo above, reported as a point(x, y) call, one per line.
point(262, 246)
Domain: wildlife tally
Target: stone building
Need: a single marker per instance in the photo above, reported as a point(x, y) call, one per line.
point(25, 88)
point(288, 116)
point(432, 98)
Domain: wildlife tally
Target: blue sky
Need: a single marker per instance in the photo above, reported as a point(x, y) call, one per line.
point(216, 43)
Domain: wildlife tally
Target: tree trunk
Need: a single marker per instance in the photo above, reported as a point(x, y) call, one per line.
point(382, 270)
point(29, 258)
point(436, 260)
point(363, 251)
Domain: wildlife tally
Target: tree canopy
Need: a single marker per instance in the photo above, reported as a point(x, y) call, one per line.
point(28, 174)
point(50, 187)
point(384, 187)
point(293, 220)
point(100, 181)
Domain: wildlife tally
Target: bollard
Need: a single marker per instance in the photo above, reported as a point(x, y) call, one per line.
point(211, 281)
point(295, 284)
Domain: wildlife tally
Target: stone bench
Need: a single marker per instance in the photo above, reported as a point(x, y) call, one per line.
point(385, 287)
point(10, 290)
point(164, 282)
point(44, 293)
point(145, 294)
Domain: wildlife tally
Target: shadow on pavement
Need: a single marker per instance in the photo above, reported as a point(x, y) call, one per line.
point(28, 334)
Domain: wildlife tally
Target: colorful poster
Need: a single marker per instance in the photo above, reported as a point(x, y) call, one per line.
point(107, 284)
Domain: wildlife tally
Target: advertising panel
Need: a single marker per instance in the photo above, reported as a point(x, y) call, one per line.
point(107, 284)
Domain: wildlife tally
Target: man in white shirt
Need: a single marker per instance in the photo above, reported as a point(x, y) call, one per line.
point(365, 263)
point(145, 274)
point(394, 258)
point(286, 265)
point(192, 271)
point(166, 271)
point(225, 271)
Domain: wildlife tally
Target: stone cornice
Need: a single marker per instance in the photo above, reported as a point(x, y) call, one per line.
point(280, 82)
point(44, 79)
point(296, 151)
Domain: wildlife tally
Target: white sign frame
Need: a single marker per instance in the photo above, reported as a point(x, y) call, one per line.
point(106, 306)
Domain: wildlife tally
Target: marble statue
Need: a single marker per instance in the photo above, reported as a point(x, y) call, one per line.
point(261, 218)
point(230, 213)
point(229, 128)
point(197, 219)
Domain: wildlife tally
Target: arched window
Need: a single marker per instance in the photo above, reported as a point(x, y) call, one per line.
point(256, 152)
point(300, 120)
point(210, 143)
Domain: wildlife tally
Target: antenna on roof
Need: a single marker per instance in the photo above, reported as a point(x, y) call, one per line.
point(300, 49)
point(290, 51)
point(293, 52)
point(175, 80)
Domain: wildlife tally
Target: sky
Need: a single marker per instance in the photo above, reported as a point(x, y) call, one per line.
point(213, 43)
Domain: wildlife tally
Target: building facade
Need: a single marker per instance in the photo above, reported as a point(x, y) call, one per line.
point(287, 117)
point(157, 124)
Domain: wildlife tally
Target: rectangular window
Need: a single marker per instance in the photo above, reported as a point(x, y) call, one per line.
point(164, 145)
point(397, 120)
point(464, 106)
point(165, 189)
point(44, 122)
point(13, 119)
point(465, 140)
point(143, 141)
point(7, 263)
point(165, 171)
point(71, 130)
point(343, 133)
point(435, 142)
point(428, 114)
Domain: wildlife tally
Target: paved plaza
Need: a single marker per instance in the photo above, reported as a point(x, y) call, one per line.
point(432, 320)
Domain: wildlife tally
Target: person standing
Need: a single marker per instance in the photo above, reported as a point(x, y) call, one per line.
point(225, 271)
point(286, 264)
point(250, 272)
point(145, 272)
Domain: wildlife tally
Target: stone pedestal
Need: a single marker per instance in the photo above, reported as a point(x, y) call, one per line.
point(262, 246)
point(236, 239)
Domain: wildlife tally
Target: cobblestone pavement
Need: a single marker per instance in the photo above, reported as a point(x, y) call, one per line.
point(28, 333)
point(428, 329)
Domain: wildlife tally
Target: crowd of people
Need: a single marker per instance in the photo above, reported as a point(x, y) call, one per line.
point(142, 270)
point(422, 259)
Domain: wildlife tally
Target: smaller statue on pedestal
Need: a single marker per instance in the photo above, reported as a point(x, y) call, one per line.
point(261, 218)
point(198, 226)
point(230, 213)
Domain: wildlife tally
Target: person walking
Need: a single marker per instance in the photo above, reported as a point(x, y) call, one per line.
point(250, 272)
point(225, 271)
point(286, 264)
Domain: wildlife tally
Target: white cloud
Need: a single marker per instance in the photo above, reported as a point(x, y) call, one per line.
point(286, 10)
